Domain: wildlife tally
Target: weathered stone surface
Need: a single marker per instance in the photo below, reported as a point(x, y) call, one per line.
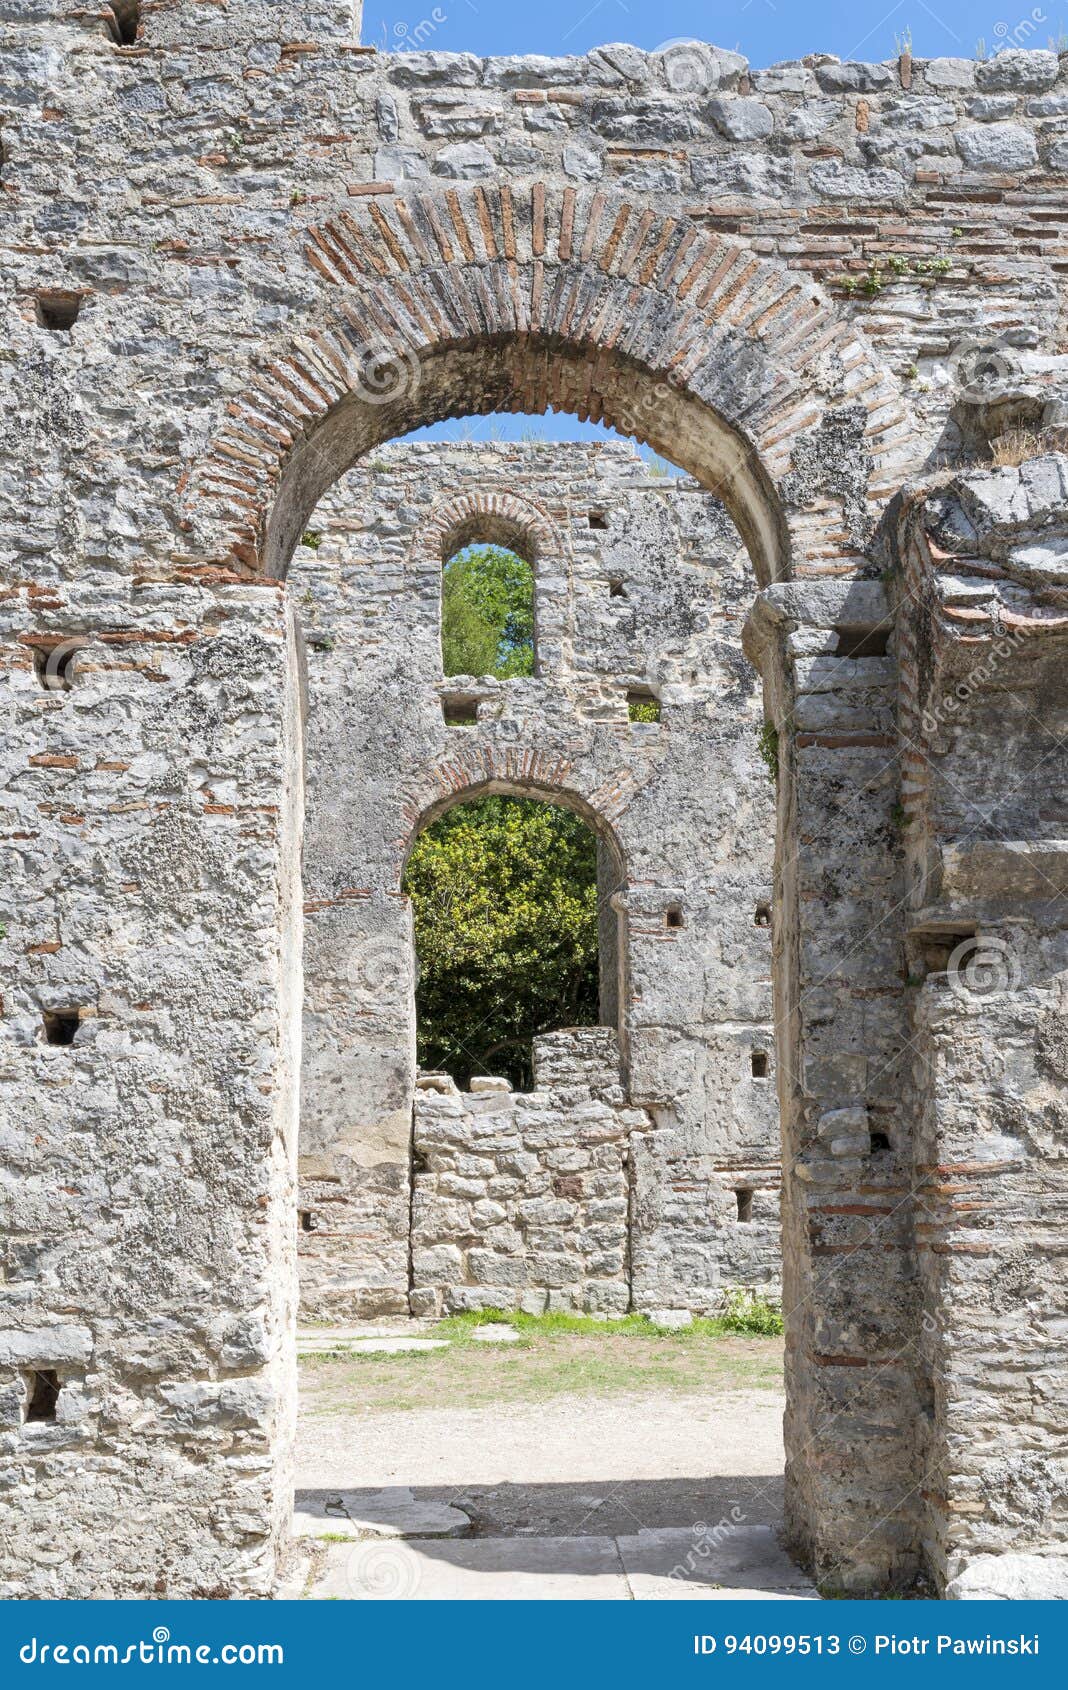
point(1013, 1578)
point(395, 1512)
point(1018, 69)
point(243, 275)
point(741, 120)
point(1000, 146)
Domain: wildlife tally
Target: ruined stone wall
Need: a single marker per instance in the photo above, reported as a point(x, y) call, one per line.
point(640, 581)
point(219, 206)
point(149, 1118)
point(521, 1200)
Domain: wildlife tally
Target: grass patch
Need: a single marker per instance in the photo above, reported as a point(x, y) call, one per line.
point(744, 1312)
point(557, 1355)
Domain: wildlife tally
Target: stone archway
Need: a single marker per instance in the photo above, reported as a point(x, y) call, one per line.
point(490, 298)
point(487, 518)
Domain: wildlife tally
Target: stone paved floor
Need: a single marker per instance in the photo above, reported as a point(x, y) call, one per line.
point(736, 1563)
point(610, 1498)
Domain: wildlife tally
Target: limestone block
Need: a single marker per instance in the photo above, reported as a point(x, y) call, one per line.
point(997, 146)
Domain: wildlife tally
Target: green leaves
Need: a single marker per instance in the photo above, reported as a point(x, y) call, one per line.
point(487, 613)
point(504, 893)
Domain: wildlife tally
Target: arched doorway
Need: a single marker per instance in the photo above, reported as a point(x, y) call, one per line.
point(744, 375)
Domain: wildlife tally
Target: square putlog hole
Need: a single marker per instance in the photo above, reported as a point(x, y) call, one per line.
point(862, 642)
point(642, 705)
point(758, 1062)
point(58, 308)
point(43, 1394)
point(54, 665)
point(458, 711)
point(60, 1025)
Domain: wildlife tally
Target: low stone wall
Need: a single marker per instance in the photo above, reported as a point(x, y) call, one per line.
point(567, 1197)
point(521, 1200)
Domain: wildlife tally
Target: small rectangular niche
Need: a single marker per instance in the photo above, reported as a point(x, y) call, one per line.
point(309, 1220)
point(616, 587)
point(642, 705)
point(758, 1063)
point(933, 950)
point(42, 1393)
point(762, 916)
point(126, 17)
point(673, 917)
point(60, 1025)
point(459, 711)
point(862, 642)
point(58, 308)
point(879, 1142)
point(598, 519)
point(744, 1197)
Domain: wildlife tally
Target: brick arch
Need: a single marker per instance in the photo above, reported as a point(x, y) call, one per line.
point(489, 516)
point(489, 297)
point(516, 772)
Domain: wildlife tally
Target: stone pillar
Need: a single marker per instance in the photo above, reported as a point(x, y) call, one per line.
point(984, 643)
point(358, 1081)
point(149, 1042)
point(849, 1268)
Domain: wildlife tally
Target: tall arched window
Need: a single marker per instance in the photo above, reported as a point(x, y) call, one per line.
point(511, 900)
point(487, 612)
point(489, 549)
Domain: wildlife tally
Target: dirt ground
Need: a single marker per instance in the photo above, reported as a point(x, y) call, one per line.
point(562, 1436)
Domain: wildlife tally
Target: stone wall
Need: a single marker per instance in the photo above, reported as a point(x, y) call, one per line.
point(209, 258)
point(553, 1199)
point(640, 581)
point(985, 719)
point(149, 1147)
point(521, 1201)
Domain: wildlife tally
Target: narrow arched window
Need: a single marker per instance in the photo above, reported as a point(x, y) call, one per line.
point(487, 612)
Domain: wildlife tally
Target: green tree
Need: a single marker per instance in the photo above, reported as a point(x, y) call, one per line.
point(487, 613)
point(504, 893)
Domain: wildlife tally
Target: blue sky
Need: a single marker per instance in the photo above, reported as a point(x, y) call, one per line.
point(764, 30)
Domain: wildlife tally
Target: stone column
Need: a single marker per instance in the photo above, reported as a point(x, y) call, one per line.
point(849, 1267)
point(984, 643)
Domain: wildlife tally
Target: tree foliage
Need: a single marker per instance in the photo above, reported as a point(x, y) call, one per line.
point(487, 613)
point(504, 893)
